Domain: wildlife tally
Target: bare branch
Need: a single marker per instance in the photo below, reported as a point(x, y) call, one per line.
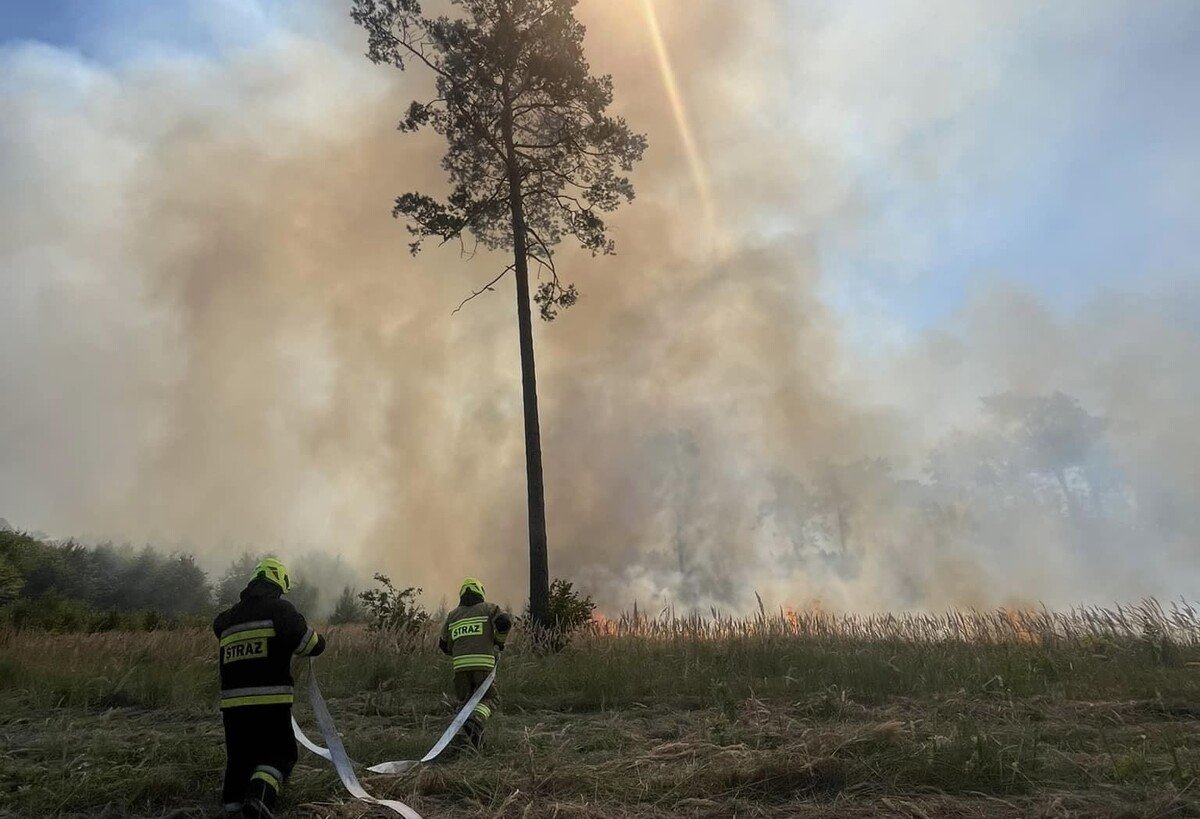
point(419, 53)
point(489, 286)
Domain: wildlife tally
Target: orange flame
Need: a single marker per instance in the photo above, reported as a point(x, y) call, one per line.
point(791, 616)
point(602, 624)
point(1017, 625)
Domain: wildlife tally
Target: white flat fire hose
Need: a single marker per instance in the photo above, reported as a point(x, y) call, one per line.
point(336, 752)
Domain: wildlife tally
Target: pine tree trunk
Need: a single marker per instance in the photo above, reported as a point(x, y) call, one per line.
point(539, 570)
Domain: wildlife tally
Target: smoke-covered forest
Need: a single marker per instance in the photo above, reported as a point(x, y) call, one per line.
point(1041, 492)
point(70, 586)
point(1041, 470)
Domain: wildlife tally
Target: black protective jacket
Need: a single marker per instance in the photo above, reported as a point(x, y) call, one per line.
point(259, 636)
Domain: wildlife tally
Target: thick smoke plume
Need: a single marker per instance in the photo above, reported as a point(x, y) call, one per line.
point(213, 335)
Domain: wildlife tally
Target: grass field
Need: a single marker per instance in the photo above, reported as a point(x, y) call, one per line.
point(1093, 713)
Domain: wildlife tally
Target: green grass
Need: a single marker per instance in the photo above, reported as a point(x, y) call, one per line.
point(789, 717)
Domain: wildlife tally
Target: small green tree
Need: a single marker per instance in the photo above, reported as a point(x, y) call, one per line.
point(570, 612)
point(569, 609)
point(348, 609)
point(393, 610)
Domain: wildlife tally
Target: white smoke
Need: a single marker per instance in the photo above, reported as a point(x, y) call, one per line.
point(212, 333)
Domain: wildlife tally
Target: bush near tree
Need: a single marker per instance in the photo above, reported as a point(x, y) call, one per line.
point(569, 612)
point(392, 610)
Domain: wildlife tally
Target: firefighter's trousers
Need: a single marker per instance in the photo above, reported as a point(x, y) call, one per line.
point(465, 683)
point(260, 753)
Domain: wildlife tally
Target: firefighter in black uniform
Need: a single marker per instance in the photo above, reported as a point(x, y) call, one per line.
point(259, 636)
point(472, 635)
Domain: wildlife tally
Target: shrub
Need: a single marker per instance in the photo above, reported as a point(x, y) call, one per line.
point(393, 610)
point(569, 612)
point(50, 612)
point(348, 609)
point(55, 613)
point(11, 581)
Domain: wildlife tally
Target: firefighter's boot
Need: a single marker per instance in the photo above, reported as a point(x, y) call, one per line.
point(262, 793)
point(474, 732)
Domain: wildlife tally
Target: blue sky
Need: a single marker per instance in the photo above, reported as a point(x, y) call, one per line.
point(1107, 206)
point(114, 30)
point(1101, 194)
point(65, 22)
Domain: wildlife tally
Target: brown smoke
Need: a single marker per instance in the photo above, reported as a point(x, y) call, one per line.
point(220, 338)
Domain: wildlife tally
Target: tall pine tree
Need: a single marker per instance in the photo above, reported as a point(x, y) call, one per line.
point(532, 156)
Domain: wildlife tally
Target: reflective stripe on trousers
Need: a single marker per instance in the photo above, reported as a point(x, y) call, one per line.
point(272, 776)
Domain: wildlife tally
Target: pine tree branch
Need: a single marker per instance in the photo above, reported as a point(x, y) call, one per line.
point(489, 286)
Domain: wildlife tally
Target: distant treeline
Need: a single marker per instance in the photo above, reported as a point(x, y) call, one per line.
point(72, 587)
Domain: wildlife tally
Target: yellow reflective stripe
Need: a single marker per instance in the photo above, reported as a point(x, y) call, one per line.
point(500, 638)
point(475, 661)
point(469, 620)
point(266, 777)
point(309, 646)
point(483, 710)
point(247, 635)
point(260, 699)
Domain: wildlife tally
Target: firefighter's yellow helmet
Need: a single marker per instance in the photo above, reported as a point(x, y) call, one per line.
point(275, 571)
point(471, 585)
